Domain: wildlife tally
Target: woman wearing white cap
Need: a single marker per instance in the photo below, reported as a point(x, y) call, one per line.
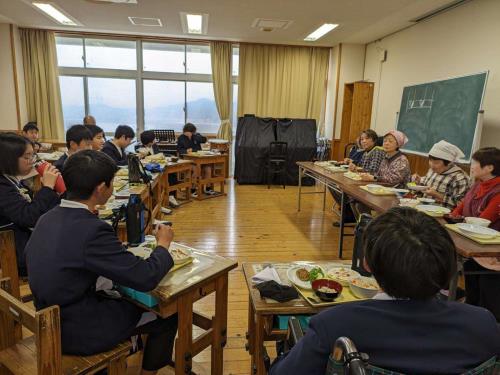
point(447, 183)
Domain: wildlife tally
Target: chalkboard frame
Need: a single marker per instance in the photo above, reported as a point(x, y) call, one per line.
point(479, 121)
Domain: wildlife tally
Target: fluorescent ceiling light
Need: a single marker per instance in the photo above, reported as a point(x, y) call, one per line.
point(194, 23)
point(55, 13)
point(320, 31)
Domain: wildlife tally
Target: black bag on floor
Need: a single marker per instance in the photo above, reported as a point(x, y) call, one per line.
point(358, 253)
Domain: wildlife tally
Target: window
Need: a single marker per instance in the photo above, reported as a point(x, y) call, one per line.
point(69, 52)
point(198, 59)
point(102, 78)
point(110, 54)
point(201, 108)
point(235, 108)
point(159, 57)
point(164, 105)
point(72, 99)
point(112, 102)
point(236, 61)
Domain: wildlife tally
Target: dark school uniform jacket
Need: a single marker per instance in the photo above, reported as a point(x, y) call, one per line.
point(20, 215)
point(68, 250)
point(408, 336)
point(110, 149)
point(184, 143)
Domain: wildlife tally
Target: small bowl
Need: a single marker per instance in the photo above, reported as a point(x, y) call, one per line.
point(361, 292)
point(477, 221)
point(326, 296)
point(408, 202)
point(453, 219)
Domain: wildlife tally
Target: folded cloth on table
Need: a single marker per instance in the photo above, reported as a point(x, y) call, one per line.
point(281, 293)
point(267, 274)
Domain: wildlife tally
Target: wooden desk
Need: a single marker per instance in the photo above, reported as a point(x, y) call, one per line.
point(261, 314)
point(179, 297)
point(218, 164)
point(183, 170)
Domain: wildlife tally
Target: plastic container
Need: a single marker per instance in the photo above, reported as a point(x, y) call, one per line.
point(142, 297)
point(281, 321)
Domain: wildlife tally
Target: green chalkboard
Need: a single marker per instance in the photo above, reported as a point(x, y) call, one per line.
point(446, 109)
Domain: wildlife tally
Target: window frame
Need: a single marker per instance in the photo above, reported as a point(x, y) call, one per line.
point(138, 75)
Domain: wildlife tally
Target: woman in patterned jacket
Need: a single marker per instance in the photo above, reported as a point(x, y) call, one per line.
point(447, 183)
point(395, 168)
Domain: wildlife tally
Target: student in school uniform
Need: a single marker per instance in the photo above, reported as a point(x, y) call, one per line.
point(71, 248)
point(115, 148)
point(190, 141)
point(20, 209)
point(148, 147)
point(31, 131)
point(395, 168)
point(483, 200)
point(405, 328)
point(78, 138)
point(447, 182)
point(98, 137)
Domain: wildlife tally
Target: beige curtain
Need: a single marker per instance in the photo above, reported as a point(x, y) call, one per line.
point(282, 81)
point(43, 96)
point(221, 55)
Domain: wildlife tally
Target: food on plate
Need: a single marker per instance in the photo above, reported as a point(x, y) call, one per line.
point(365, 283)
point(316, 273)
point(179, 254)
point(302, 274)
point(343, 274)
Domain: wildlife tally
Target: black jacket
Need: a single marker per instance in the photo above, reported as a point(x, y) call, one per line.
point(184, 143)
point(59, 163)
point(412, 337)
point(20, 215)
point(110, 149)
point(68, 250)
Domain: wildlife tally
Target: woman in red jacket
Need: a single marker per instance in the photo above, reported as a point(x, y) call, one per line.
point(483, 200)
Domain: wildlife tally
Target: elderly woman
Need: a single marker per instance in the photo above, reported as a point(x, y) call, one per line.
point(372, 155)
point(395, 168)
point(483, 200)
point(447, 183)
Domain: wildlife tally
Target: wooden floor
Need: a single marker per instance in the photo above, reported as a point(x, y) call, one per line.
point(252, 224)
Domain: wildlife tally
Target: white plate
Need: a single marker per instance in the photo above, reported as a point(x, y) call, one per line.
point(417, 187)
point(399, 191)
point(426, 200)
point(374, 186)
point(292, 276)
point(141, 251)
point(337, 273)
point(478, 231)
point(433, 210)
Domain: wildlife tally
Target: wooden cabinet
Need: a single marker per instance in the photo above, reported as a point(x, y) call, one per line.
point(356, 115)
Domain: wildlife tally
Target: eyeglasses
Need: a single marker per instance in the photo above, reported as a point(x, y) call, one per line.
point(29, 157)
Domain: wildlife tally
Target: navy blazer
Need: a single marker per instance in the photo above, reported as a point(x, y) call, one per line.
point(20, 215)
point(184, 143)
point(68, 250)
point(424, 337)
point(110, 149)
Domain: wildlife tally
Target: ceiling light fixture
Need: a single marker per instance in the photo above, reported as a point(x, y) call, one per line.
point(194, 23)
point(55, 13)
point(320, 31)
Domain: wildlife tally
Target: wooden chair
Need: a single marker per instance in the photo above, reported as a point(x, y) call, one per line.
point(8, 262)
point(41, 353)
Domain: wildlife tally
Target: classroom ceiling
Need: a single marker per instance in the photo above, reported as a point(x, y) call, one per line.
point(361, 21)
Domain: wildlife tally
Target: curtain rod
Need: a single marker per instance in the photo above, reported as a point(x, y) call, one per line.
point(163, 38)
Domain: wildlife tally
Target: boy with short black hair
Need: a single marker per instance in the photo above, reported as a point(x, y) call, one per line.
point(71, 248)
point(78, 138)
point(31, 131)
point(405, 328)
point(115, 148)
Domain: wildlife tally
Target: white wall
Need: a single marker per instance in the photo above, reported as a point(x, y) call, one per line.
point(352, 61)
point(330, 109)
point(461, 41)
